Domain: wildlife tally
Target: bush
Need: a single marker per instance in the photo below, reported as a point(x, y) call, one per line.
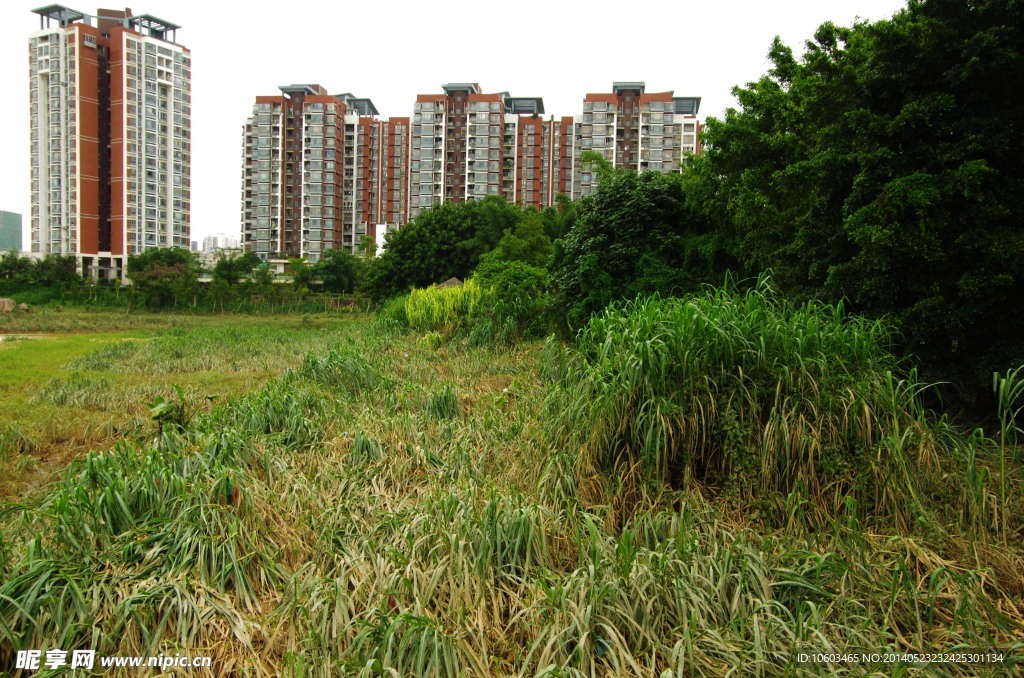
point(634, 235)
point(515, 300)
point(747, 392)
point(442, 242)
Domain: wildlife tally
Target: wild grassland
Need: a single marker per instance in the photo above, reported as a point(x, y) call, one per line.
point(394, 506)
point(64, 393)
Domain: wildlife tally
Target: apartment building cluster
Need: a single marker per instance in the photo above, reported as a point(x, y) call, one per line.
point(221, 241)
point(110, 102)
point(110, 136)
point(324, 171)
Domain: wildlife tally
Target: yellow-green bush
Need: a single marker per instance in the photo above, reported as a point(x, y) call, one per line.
point(442, 309)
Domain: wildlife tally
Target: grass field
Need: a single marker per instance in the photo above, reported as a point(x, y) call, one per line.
point(66, 388)
point(359, 500)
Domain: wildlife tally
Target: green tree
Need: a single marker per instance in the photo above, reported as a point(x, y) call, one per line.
point(634, 234)
point(221, 294)
point(491, 218)
point(164, 277)
point(55, 270)
point(885, 166)
point(15, 267)
point(232, 270)
point(262, 280)
point(444, 241)
point(367, 246)
point(339, 271)
point(302, 275)
point(527, 243)
point(559, 218)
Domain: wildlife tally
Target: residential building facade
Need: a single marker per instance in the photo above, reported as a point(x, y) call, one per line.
point(324, 171)
point(635, 130)
point(317, 171)
point(110, 102)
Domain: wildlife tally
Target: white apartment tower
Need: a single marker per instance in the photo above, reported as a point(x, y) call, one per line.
point(110, 137)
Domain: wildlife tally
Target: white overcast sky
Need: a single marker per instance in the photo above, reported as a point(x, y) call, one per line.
point(390, 52)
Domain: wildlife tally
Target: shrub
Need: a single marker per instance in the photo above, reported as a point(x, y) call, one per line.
point(442, 309)
point(515, 298)
point(748, 392)
point(636, 234)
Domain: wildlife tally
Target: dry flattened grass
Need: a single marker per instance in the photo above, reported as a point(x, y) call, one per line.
point(336, 522)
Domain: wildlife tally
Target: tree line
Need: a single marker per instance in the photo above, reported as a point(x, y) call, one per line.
point(173, 278)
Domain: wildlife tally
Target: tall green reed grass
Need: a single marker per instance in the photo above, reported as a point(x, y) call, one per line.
point(743, 391)
point(442, 308)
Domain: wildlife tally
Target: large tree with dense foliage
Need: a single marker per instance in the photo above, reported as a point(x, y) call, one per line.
point(38, 280)
point(635, 234)
point(527, 242)
point(444, 241)
point(885, 166)
point(164, 276)
point(55, 270)
point(14, 267)
point(339, 270)
point(232, 270)
point(559, 218)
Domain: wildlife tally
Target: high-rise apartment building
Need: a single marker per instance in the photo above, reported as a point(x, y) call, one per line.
point(390, 170)
point(110, 136)
point(323, 171)
point(465, 145)
point(318, 172)
point(634, 130)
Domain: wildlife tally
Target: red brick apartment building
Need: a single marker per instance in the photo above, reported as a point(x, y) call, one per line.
point(323, 171)
point(110, 110)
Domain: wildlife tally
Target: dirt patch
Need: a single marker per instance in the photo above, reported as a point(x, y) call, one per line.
point(22, 474)
point(493, 383)
point(486, 386)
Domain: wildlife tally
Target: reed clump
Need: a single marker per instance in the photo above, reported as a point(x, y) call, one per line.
point(442, 309)
point(745, 392)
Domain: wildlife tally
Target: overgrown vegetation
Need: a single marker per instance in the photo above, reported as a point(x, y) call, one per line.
point(858, 172)
point(746, 393)
point(505, 307)
point(703, 482)
point(634, 235)
point(394, 504)
point(70, 393)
